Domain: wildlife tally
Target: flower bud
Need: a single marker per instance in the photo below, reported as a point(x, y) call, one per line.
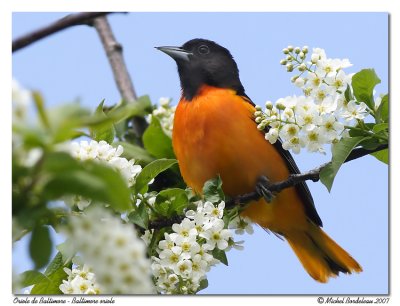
point(283, 62)
point(297, 50)
point(258, 108)
point(302, 67)
point(289, 67)
point(294, 78)
point(258, 119)
point(314, 58)
point(299, 82)
point(285, 51)
point(261, 126)
point(290, 48)
point(302, 55)
point(305, 49)
point(279, 105)
point(269, 105)
point(289, 58)
point(258, 113)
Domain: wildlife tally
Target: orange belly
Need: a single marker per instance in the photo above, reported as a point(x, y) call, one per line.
point(214, 134)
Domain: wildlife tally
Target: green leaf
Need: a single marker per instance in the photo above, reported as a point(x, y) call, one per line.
point(203, 284)
point(140, 216)
point(55, 274)
point(380, 127)
point(370, 143)
point(340, 151)
point(105, 131)
point(124, 110)
point(363, 84)
point(31, 277)
point(220, 255)
point(40, 246)
point(133, 151)
point(90, 179)
point(156, 142)
point(171, 201)
point(151, 171)
point(383, 110)
point(39, 103)
point(212, 190)
point(347, 94)
point(382, 155)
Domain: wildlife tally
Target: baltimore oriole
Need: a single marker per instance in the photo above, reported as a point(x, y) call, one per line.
point(214, 134)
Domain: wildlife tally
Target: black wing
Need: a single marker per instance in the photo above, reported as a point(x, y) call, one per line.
point(302, 188)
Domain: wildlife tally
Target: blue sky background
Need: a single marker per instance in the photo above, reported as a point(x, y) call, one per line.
point(72, 64)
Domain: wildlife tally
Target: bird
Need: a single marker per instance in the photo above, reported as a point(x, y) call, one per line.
point(214, 133)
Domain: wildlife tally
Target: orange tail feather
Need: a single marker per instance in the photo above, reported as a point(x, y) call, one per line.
point(320, 255)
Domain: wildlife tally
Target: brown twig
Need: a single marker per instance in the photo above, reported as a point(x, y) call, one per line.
point(295, 179)
point(113, 51)
point(59, 25)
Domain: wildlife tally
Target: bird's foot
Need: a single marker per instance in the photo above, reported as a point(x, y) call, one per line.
point(262, 188)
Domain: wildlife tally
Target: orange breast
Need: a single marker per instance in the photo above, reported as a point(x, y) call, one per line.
point(214, 134)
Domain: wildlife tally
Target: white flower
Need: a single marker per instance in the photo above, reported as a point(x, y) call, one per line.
point(308, 119)
point(113, 250)
point(355, 111)
point(272, 135)
point(330, 127)
point(314, 140)
point(185, 229)
point(81, 280)
point(328, 105)
point(217, 235)
point(241, 225)
point(101, 152)
point(212, 211)
point(299, 82)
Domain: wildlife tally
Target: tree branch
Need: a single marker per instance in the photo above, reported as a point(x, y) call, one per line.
point(113, 51)
point(295, 179)
point(59, 25)
point(291, 181)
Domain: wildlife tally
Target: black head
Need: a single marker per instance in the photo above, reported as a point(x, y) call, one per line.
point(204, 62)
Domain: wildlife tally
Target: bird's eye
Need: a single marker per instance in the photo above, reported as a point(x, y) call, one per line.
point(203, 49)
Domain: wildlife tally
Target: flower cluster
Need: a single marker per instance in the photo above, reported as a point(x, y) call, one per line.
point(186, 254)
point(319, 116)
point(113, 250)
point(165, 114)
point(81, 280)
point(102, 152)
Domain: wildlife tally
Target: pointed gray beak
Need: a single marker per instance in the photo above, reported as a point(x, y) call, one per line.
point(177, 53)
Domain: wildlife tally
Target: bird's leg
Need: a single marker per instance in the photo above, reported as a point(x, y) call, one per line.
point(262, 186)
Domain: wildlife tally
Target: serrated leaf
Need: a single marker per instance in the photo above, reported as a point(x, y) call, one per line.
point(382, 156)
point(105, 131)
point(137, 153)
point(363, 84)
point(140, 216)
point(40, 246)
point(31, 277)
point(90, 179)
point(156, 142)
point(212, 190)
point(150, 171)
point(220, 255)
point(340, 151)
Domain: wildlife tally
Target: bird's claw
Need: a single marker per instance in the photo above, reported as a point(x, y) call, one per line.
point(262, 188)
